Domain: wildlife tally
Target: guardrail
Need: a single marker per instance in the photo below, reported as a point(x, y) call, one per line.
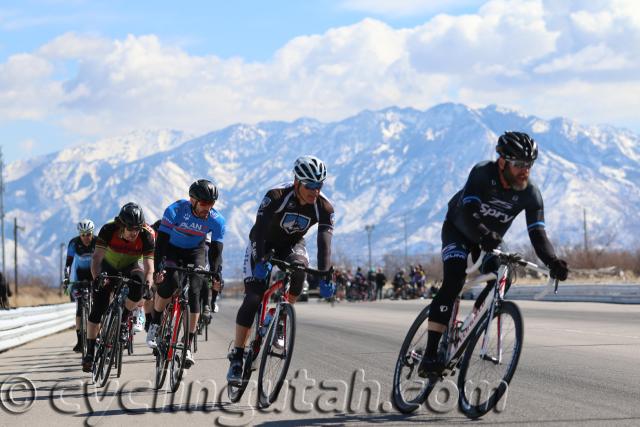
point(26, 324)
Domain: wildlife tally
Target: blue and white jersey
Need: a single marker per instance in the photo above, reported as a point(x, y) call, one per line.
point(186, 230)
point(79, 255)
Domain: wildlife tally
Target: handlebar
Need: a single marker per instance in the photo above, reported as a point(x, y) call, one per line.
point(287, 266)
point(515, 258)
point(119, 277)
point(194, 270)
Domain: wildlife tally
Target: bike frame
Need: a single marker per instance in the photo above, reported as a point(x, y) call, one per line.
point(458, 332)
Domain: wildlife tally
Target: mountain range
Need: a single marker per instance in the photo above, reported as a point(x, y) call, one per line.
point(395, 169)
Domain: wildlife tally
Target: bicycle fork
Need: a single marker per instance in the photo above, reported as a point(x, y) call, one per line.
point(498, 295)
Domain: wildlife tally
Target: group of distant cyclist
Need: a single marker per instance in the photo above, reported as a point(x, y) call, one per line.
point(191, 232)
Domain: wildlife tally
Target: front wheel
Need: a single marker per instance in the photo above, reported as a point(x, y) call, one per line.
point(179, 345)
point(163, 340)
point(276, 355)
point(84, 317)
point(490, 360)
point(410, 390)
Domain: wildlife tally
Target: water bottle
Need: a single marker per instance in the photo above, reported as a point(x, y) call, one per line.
point(265, 324)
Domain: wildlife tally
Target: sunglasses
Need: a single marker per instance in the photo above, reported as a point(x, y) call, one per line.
point(311, 185)
point(133, 229)
point(86, 234)
point(521, 164)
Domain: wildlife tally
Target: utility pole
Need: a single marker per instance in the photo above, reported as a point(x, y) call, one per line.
point(369, 229)
point(584, 222)
point(61, 266)
point(404, 217)
point(2, 211)
point(16, 227)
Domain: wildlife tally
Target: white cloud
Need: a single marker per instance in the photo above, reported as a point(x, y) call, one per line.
point(543, 58)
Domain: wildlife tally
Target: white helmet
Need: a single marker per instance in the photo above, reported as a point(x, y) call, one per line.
point(85, 226)
point(310, 169)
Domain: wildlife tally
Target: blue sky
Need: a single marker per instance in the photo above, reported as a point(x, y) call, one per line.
point(75, 71)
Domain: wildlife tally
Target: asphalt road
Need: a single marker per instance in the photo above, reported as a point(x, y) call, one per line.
point(580, 366)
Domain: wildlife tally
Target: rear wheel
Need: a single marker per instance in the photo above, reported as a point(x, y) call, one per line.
point(276, 355)
point(484, 376)
point(250, 355)
point(410, 390)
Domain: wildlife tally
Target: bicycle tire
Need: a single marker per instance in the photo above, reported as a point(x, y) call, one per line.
point(119, 351)
point(409, 357)
point(109, 346)
point(83, 328)
point(250, 355)
point(473, 365)
point(178, 359)
point(163, 339)
point(195, 338)
point(99, 358)
point(271, 352)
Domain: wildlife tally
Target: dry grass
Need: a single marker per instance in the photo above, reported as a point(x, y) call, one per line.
point(35, 291)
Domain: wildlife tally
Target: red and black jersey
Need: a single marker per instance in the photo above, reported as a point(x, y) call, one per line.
point(121, 253)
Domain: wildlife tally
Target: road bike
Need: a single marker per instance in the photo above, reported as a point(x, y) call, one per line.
point(484, 347)
point(110, 340)
point(273, 337)
point(82, 293)
point(173, 335)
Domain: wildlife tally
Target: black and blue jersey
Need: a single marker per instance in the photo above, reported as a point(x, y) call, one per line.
point(79, 256)
point(484, 203)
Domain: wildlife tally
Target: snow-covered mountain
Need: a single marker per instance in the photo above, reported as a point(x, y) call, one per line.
point(385, 167)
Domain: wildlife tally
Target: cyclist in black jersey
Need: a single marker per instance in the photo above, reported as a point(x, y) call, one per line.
point(284, 216)
point(78, 266)
point(478, 217)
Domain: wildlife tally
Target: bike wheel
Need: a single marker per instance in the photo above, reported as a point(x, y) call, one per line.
point(109, 344)
point(250, 355)
point(130, 341)
point(483, 379)
point(180, 344)
point(119, 351)
point(195, 338)
point(84, 314)
point(276, 355)
point(163, 340)
point(410, 390)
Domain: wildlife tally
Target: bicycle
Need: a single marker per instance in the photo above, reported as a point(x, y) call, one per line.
point(486, 352)
point(109, 342)
point(82, 293)
point(278, 335)
point(173, 334)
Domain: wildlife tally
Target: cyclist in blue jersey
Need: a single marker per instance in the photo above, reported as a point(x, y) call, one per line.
point(478, 217)
point(181, 239)
point(78, 265)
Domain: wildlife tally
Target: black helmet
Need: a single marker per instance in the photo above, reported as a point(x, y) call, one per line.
point(131, 215)
point(517, 146)
point(204, 191)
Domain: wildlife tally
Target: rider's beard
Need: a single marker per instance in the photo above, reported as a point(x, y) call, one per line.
point(513, 181)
